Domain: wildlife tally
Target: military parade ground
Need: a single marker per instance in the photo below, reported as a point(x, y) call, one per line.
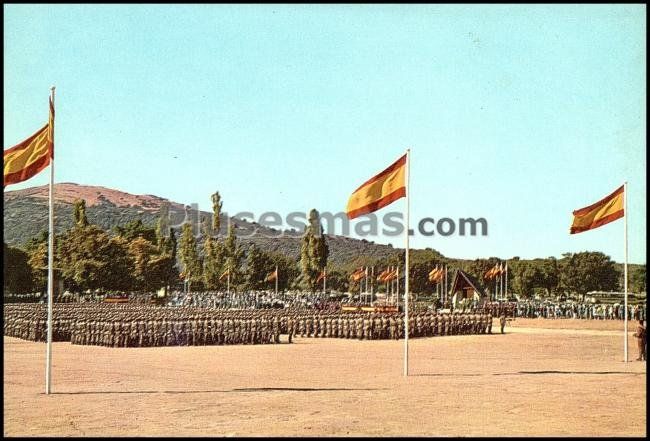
point(462, 385)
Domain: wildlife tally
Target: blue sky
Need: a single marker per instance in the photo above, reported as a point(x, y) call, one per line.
point(519, 114)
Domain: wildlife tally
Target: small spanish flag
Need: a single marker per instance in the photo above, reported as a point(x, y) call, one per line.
point(434, 274)
point(358, 274)
point(272, 276)
point(321, 276)
point(31, 156)
point(384, 274)
point(600, 213)
point(391, 276)
point(379, 191)
point(224, 275)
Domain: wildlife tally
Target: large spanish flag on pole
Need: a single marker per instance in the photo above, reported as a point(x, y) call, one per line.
point(379, 191)
point(31, 156)
point(22, 162)
point(604, 211)
point(600, 213)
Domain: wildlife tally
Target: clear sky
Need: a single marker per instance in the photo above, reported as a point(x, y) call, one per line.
point(519, 114)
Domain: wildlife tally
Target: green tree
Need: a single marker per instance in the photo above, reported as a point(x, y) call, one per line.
point(637, 279)
point(90, 259)
point(37, 261)
point(167, 247)
point(216, 212)
point(548, 276)
point(233, 255)
point(189, 255)
point(588, 271)
point(525, 278)
point(148, 265)
point(255, 270)
point(314, 252)
point(213, 262)
point(134, 229)
point(79, 211)
point(17, 271)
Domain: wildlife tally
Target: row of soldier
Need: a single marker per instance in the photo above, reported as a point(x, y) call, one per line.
point(126, 325)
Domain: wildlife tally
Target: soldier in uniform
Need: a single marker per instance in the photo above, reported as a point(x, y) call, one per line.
point(290, 325)
point(502, 321)
point(392, 327)
point(346, 326)
point(275, 327)
point(489, 323)
point(321, 326)
point(418, 325)
point(641, 338)
point(400, 326)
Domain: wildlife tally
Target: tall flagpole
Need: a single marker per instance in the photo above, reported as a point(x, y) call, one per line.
point(506, 279)
point(372, 283)
point(406, 270)
point(50, 263)
point(276, 281)
point(445, 290)
point(625, 268)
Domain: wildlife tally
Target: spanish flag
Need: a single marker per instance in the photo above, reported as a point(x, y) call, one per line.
point(272, 276)
point(391, 276)
point(358, 274)
point(434, 274)
point(379, 191)
point(224, 275)
point(321, 276)
point(491, 273)
point(384, 274)
point(600, 213)
point(31, 156)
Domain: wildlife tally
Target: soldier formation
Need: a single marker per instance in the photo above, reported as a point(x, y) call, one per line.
point(129, 325)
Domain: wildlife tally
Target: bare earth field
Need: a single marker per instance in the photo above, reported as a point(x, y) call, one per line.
point(543, 377)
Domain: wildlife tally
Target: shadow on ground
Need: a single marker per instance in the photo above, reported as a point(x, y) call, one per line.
point(245, 389)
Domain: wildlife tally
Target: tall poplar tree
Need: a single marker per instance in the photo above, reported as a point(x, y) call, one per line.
point(216, 212)
point(189, 255)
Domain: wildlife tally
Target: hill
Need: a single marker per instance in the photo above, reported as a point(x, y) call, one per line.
point(26, 215)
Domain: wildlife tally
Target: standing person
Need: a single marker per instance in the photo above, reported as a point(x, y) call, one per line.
point(640, 335)
point(502, 322)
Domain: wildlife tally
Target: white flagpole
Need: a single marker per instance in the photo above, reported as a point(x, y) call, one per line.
point(625, 268)
point(276, 281)
point(506, 279)
point(324, 280)
point(445, 290)
point(50, 266)
point(406, 270)
point(372, 283)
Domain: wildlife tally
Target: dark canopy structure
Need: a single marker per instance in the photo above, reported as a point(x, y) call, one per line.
point(465, 286)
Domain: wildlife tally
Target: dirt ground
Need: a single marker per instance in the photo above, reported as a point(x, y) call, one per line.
point(543, 377)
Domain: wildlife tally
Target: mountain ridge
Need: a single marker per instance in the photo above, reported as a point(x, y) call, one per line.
point(26, 215)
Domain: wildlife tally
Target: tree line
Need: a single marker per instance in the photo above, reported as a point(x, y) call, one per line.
point(139, 258)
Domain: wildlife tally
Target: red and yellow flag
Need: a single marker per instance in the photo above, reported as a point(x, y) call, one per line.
point(435, 274)
point(391, 276)
point(600, 213)
point(31, 156)
point(491, 273)
point(224, 275)
point(358, 274)
point(272, 276)
point(379, 191)
point(321, 276)
point(384, 274)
